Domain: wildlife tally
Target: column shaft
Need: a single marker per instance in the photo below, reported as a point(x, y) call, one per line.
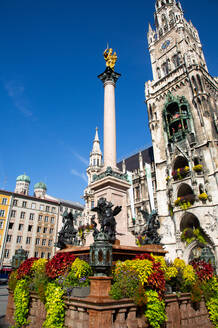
point(109, 125)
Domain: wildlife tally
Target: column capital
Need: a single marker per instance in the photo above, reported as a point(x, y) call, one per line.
point(109, 76)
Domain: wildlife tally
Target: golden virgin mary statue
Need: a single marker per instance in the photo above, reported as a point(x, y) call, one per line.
point(110, 57)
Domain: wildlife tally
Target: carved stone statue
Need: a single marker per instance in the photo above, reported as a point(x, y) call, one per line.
point(68, 234)
point(110, 58)
point(106, 219)
point(149, 230)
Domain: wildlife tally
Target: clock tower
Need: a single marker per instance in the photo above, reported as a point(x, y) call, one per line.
point(183, 119)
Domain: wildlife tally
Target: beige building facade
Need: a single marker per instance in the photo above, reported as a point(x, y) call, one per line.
point(33, 222)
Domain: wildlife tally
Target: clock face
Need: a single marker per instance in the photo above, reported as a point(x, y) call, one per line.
point(165, 44)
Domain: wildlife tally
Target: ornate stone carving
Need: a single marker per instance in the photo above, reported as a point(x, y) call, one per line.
point(110, 172)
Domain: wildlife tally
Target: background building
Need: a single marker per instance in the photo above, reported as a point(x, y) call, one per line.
point(31, 222)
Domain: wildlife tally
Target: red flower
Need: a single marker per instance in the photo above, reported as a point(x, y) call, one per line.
point(25, 268)
point(203, 269)
point(144, 256)
point(156, 280)
point(59, 264)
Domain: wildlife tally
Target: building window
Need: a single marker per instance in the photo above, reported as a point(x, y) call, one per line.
point(8, 238)
point(43, 242)
point(40, 218)
point(22, 215)
point(92, 204)
point(20, 227)
point(42, 255)
point(46, 218)
point(19, 238)
point(36, 254)
point(1, 224)
point(31, 216)
point(49, 242)
point(24, 204)
point(38, 229)
point(13, 213)
point(45, 230)
point(6, 253)
point(53, 209)
point(51, 230)
point(47, 208)
point(2, 213)
point(37, 241)
point(15, 202)
point(30, 228)
point(49, 256)
point(52, 219)
point(41, 207)
point(28, 239)
point(4, 201)
point(10, 225)
point(33, 206)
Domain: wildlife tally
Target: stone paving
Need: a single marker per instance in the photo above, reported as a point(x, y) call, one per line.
point(3, 305)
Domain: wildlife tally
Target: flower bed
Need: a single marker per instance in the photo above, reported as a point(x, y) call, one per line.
point(51, 280)
point(203, 196)
point(198, 168)
point(189, 235)
point(144, 279)
point(185, 201)
point(180, 173)
point(141, 280)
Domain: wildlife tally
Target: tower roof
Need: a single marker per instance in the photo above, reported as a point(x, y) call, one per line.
point(40, 185)
point(24, 178)
point(96, 143)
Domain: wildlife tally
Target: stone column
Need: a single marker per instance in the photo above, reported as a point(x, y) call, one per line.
point(109, 78)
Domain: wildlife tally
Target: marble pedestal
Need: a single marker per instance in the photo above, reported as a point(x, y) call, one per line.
point(115, 191)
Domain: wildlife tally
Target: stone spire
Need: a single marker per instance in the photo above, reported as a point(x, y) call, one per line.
point(96, 154)
point(96, 144)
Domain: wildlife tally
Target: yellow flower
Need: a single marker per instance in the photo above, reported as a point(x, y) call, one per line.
point(39, 265)
point(179, 264)
point(162, 261)
point(189, 274)
point(186, 169)
point(171, 272)
point(203, 196)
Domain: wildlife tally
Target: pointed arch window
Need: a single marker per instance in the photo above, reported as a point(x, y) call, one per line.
point(200, 83)
point(150, 112)
point(177, 59)
point(158, 73)
point(194, 84)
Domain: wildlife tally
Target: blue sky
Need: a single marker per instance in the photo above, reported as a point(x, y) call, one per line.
point(50, 97)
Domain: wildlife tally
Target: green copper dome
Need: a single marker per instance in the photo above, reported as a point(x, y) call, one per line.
point(40, 185)
point(23, 177)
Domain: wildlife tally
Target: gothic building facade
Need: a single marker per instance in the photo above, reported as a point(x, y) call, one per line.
point(182, 109)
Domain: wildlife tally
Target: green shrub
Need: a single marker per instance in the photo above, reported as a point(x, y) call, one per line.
point(155, 309)
point(54, 306)
point(12, 282)
point(21, 300)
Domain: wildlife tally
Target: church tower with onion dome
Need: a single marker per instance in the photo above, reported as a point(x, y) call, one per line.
point(183, 119)
point(22, 184)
